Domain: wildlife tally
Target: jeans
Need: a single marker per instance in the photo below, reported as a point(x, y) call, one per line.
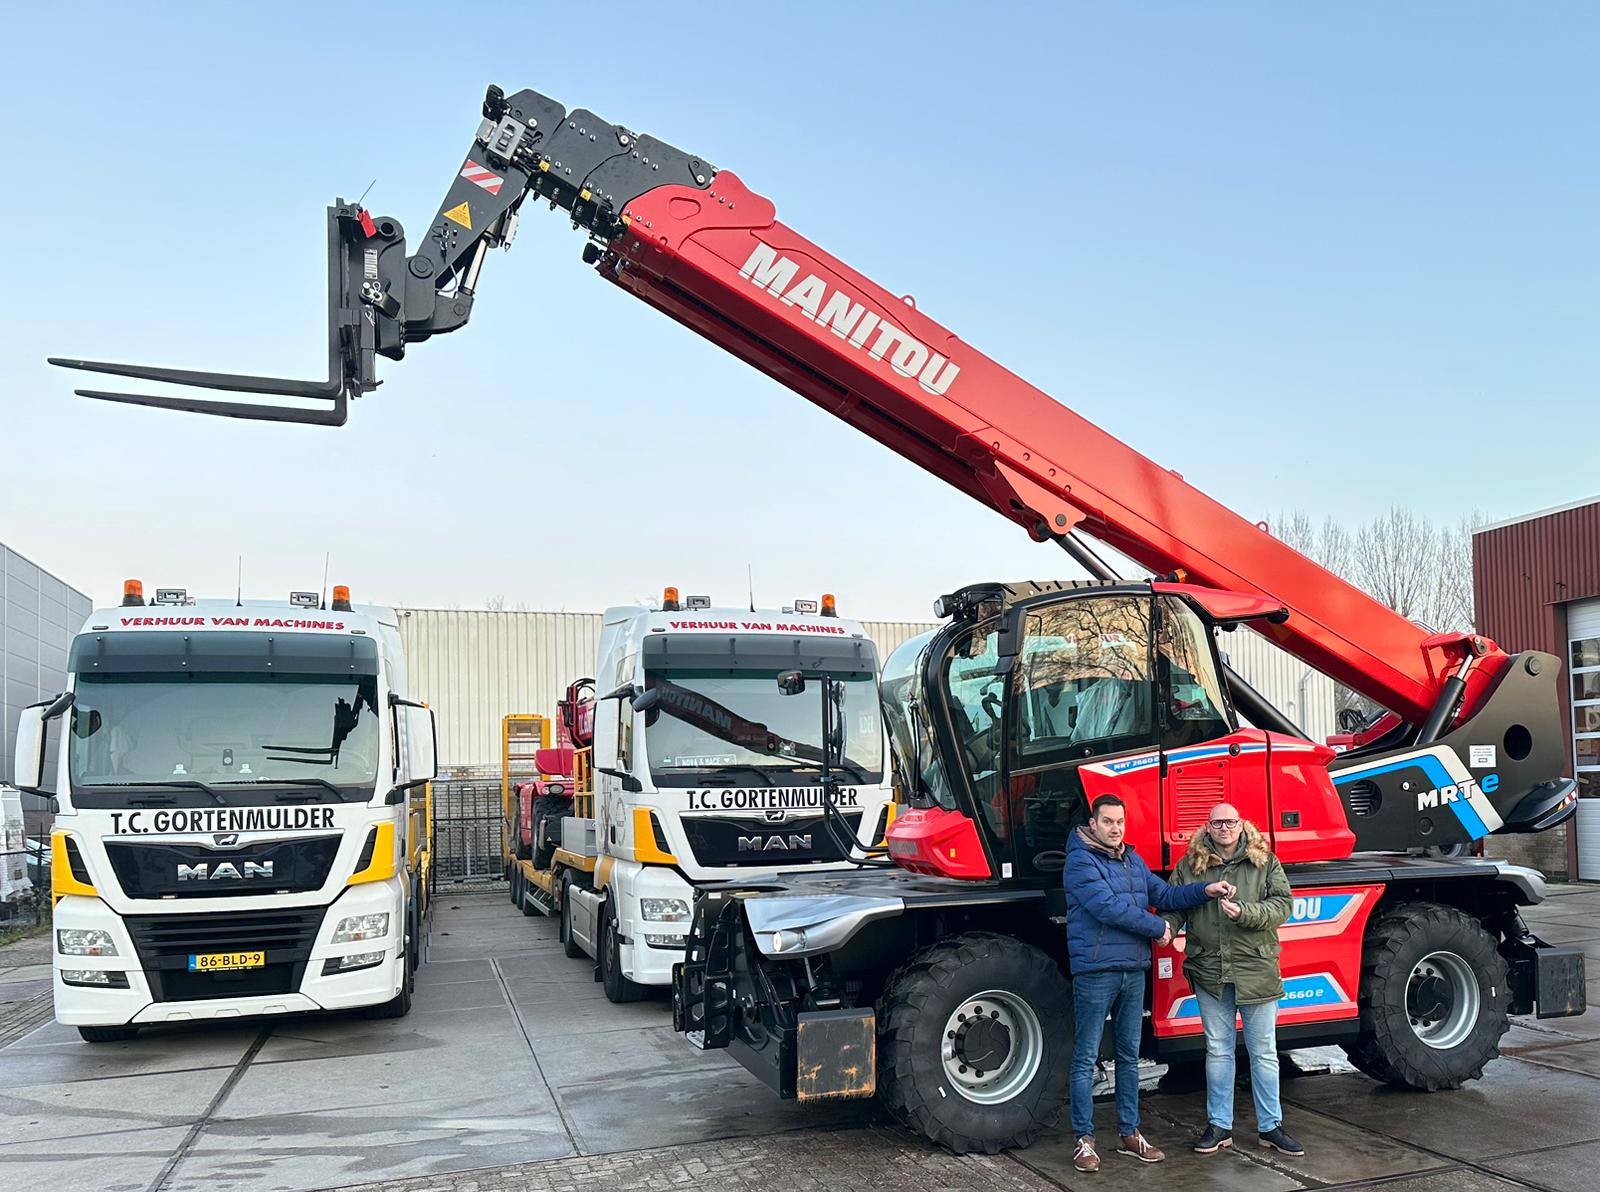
point(1094, 995)
point(1260, 1042)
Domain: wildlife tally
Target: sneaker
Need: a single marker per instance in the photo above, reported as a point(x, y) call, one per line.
point(1137, 1145)
point(1213, 1140)
point(1084, 1159)
point(1279, 1139)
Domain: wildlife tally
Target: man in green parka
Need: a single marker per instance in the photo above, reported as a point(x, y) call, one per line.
point(1231, 961)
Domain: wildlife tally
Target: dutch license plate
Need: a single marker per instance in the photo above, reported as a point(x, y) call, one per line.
point(222, 962)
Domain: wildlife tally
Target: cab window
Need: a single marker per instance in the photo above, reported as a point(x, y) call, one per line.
point(1187, 670)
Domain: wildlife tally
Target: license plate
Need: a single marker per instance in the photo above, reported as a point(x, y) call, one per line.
point(222, 962)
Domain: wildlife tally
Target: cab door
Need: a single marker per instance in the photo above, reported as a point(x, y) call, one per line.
point(1206, 758)
point(1081, 724)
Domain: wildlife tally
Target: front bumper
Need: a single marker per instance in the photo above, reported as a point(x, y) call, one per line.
point(151, 957)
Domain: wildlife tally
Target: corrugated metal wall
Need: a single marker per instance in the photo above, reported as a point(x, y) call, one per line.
point(38, 617)
point(475, 667)
point(1524, 571)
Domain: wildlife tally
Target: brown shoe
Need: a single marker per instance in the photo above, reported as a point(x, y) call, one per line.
point(1084, 1159)
point(1137, 1145)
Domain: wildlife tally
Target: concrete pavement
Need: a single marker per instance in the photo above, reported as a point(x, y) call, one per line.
point(513, 1072)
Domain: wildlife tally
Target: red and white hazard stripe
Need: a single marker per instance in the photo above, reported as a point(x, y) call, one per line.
point(478, 176)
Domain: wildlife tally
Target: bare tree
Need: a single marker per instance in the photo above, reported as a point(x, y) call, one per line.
point(495, 604)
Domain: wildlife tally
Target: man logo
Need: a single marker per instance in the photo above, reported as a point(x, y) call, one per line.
point(777, 841)
point(226, 871)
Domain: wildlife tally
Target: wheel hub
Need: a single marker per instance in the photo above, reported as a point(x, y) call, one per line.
point(983, 1043)
point(1442, 1000)
point(992, 1047)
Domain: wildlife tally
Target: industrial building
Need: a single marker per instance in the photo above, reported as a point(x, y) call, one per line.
point(475, 667)
point(38, 617)
point(1536, 581)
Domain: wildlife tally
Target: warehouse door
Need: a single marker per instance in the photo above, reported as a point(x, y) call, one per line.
point(1583, 628)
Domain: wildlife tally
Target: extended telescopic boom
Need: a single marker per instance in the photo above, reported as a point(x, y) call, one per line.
point(699, 245)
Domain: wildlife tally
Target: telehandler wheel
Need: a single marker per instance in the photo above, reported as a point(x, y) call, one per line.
point(519, 850)
point(1433, 998)
point(106, 1034)
point(975, 1043)
point(618, 987)
point(545, 809)
point(573, 949)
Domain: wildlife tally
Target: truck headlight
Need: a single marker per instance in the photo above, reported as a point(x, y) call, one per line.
point(84, 941)
point(361, 927)
point(105, 978)
point(344, 964)
point(665, 941)
point(664, 910)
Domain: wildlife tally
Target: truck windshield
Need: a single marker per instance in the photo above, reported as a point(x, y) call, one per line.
point(223, 731)
point(743, 724)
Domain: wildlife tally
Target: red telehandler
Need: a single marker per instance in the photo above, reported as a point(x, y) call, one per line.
point(936, 976)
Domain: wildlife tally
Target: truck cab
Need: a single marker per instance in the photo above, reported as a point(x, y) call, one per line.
point(243, 819)
point(703, 770)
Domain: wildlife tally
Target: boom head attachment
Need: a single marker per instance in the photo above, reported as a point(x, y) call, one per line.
point(380, 299)
point(357, 248)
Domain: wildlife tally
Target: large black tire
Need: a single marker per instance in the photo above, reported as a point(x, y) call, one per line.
point(529, 907)
point(570, 946)
point(400, 1004)
point(1405, 1001)
point(618, 988)
point(950, 979)
point(547, 808)
point(106, 1034)
point(514, 882)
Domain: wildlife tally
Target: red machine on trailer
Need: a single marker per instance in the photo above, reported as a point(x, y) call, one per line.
point(842, 985)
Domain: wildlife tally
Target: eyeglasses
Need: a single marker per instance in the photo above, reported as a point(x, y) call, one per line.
point(1225, 825)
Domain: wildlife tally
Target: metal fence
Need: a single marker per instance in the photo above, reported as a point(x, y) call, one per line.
point(24, 888)
point(467, 828)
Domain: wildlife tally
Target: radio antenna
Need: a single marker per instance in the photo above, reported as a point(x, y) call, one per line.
point(325, 556)
point(238, 600)
point(750, 575)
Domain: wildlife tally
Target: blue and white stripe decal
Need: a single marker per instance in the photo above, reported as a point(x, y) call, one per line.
point(1453, 783)
point(1143, 761)
point(1313, 989)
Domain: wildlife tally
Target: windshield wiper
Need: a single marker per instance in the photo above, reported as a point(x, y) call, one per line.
point(183, 784)
point(322, 782)
point(757, 770)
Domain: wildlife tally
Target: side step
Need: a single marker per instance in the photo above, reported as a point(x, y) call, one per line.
point(541, 901)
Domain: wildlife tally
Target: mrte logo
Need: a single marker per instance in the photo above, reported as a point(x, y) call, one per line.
point(1462, 792)
point(226, 871)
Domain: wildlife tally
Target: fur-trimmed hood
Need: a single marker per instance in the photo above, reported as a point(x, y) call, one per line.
point(1203, 854)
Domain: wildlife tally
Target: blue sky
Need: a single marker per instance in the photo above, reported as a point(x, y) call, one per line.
point(1322, 257)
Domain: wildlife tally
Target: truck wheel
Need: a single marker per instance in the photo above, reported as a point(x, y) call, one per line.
point(515, 893)
point(400, 1004)
point(519, 850)
point(529, 907)
point(975, 1043)
point(106, 1034)
point(618, 987)
point(1433, 998)
point(570, 946)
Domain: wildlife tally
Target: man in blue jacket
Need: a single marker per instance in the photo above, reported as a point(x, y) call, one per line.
point(1110, 929)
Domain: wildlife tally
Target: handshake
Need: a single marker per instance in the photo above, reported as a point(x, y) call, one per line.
point(1222, 890)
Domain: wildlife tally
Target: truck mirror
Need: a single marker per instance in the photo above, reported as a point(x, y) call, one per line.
point(28, 772)
point(644, 701)
point(626, 691)
point(791, 682)
point(421, 744)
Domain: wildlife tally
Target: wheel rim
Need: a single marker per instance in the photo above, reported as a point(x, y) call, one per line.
point(992, 1047)
point(1442, 1000)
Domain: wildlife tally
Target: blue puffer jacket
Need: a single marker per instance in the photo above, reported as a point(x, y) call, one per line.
point(1109, 922)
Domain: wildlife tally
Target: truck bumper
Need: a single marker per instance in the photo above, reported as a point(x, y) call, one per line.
point(139, 997)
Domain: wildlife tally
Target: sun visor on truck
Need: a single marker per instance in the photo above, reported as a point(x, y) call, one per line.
point(839, 656)
point(222, 653)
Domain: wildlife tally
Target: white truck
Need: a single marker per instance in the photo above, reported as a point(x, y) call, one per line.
point(242, 820)
point(692, 766)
